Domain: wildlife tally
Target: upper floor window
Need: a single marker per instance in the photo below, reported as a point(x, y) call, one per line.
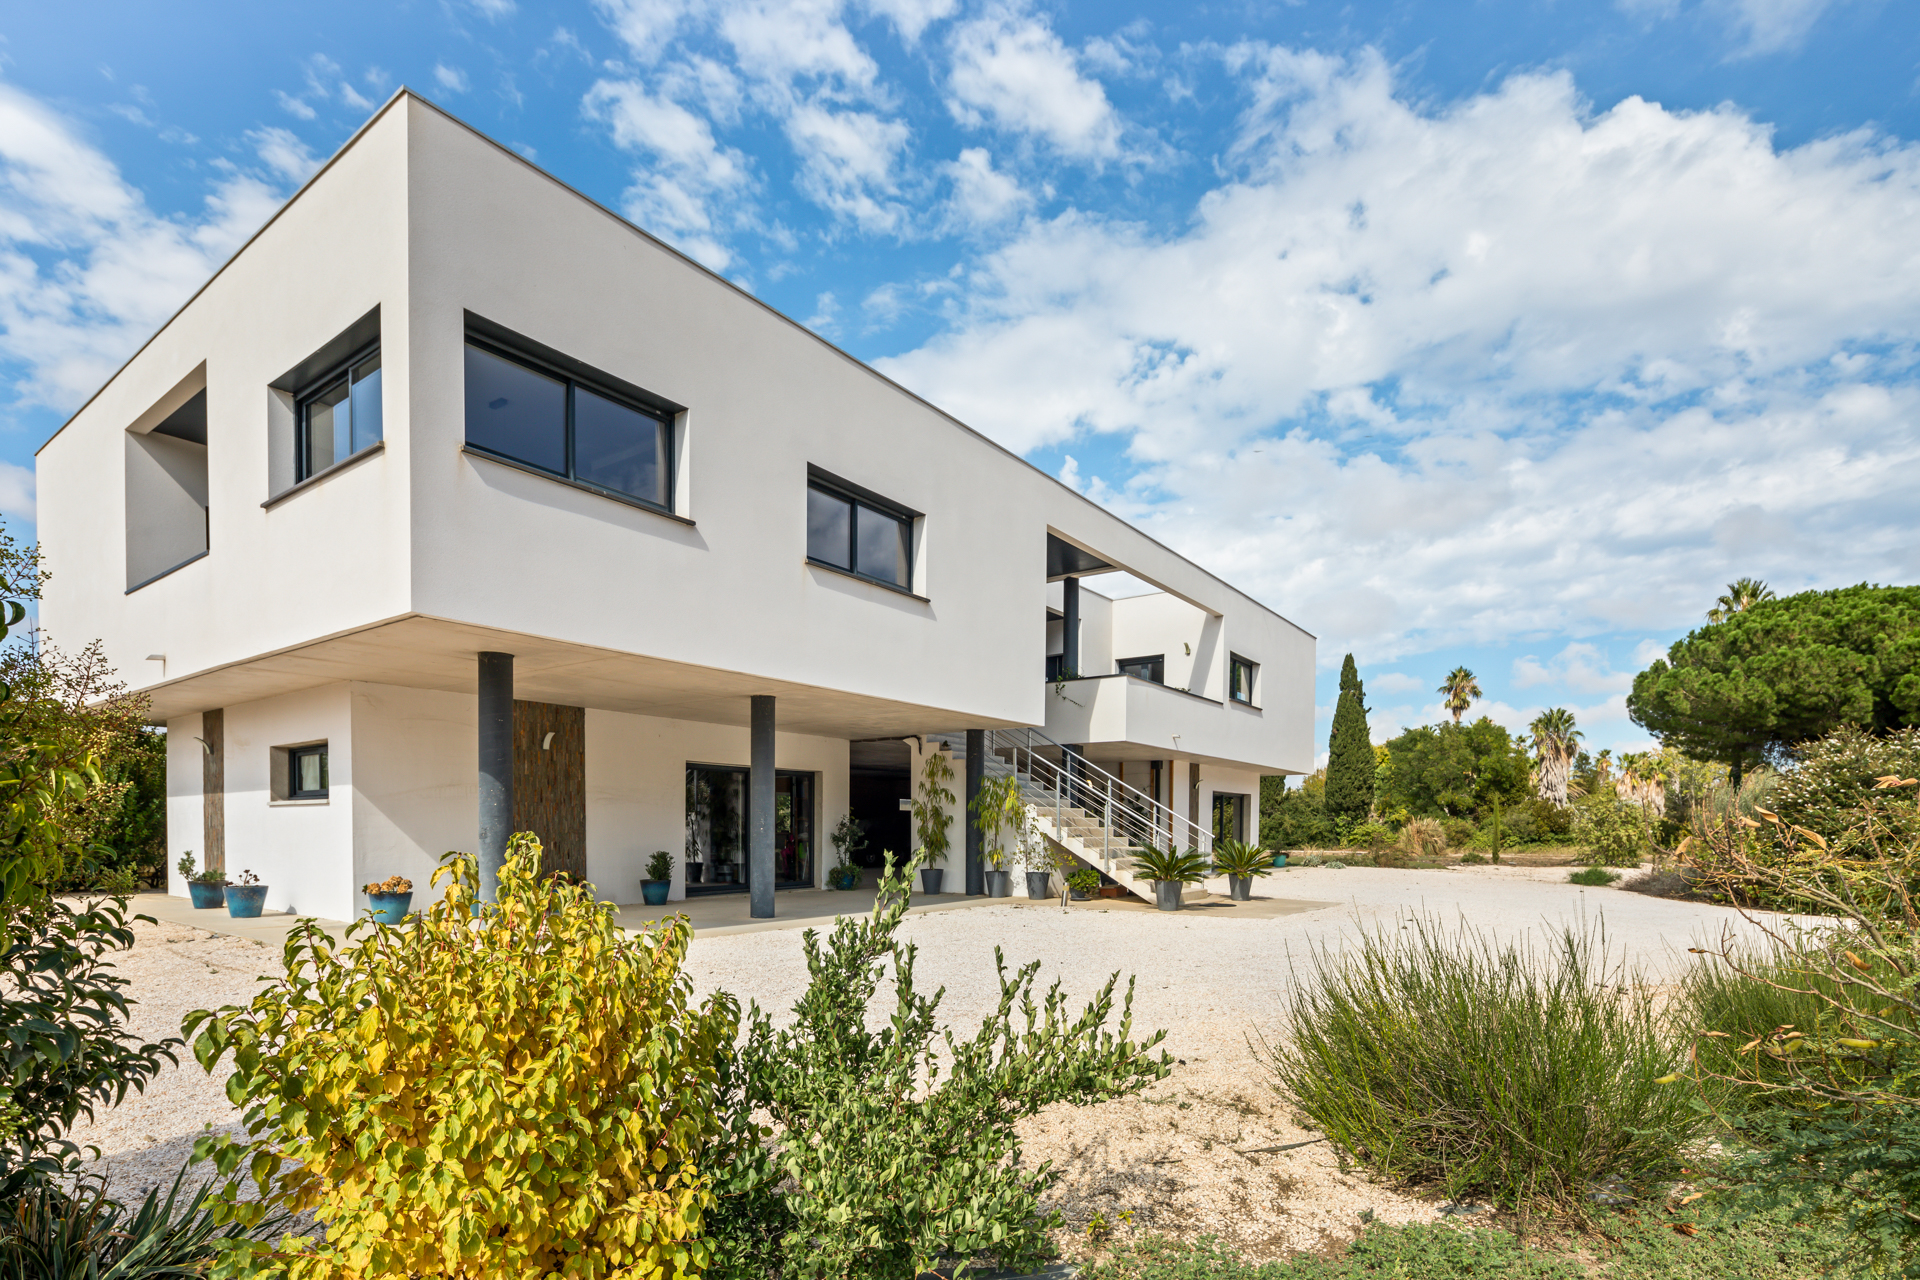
point(1243, 673)
point(339, 415)
point(860, 534)
point(307, 772)
point(1153, 668)
point(530, 412)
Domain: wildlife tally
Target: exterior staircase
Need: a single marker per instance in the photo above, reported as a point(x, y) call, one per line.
point(1080, 808)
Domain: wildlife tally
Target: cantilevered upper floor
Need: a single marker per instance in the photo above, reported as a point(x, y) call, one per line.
point(443, 403)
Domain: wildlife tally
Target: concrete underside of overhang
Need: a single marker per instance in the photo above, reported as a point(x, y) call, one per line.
point(433, 653)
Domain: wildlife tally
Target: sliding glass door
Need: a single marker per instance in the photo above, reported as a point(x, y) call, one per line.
point(716, 849)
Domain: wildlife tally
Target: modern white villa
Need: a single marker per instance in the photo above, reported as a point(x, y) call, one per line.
point(455, 504)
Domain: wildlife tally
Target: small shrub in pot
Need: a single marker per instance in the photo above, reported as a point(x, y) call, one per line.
point(389, 899)
point(1170, 870)
point(206, 888)
point(1240, 862)
point(246, 896)
point(659, 881)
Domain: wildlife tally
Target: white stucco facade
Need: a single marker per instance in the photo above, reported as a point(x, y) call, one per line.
point(347, 608)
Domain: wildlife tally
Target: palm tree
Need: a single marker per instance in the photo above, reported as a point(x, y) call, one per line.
point(1458, 691)
point(1741, 596)
point(1555, 738)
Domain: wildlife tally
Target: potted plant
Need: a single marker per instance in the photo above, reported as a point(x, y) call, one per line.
point(206, 888)
point(1170, 870)
point(1240, 862)
point(1279, 857)
point(931, 816)
point(999, 808)
point(246, 896)
point(388, 899)
point(849, 837)
point(1083, 884)
point(659, 881)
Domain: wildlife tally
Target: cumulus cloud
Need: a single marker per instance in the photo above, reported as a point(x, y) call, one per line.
point(982, 195)
point(1769, 26)
point(87, 270)
point(450, 79)
point(911, 17)
point(689, 178)
point(1579, 666)
point(1423, 375)
point(284, 153)
point(1010, 69)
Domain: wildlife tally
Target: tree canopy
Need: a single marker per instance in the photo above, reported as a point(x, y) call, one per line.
point(1456, 770)
point(1784, 671)
point(1349, 795)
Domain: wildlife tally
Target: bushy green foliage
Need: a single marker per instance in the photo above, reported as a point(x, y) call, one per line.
point(1740, 1009)
point(1824, 789)
point(1455, 770)
point(1172, 865)
point(78, 1232)
point(64, 1046)
point(1492, 1070)
point(893, 1145)
point(1294, 817)
point(1238, 858)
point(1594, 877)
point(1616, 832)
point(522, 1091)
point(1786, 671)
point(1350, 762)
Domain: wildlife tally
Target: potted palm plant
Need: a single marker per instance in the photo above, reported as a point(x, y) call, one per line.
point(931, 817)
point(246, 896)
point(659, 881)
point(206, 888)
point(1171, 870)
point(1000, 810)
point(1240, 862)
point(388, 900)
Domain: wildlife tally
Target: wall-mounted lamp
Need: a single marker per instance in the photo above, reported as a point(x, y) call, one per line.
point(160, 658)
point(1187, 647)
point(204, 744)
point(547, 741)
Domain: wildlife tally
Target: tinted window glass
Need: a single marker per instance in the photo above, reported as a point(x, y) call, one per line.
point(516, 412)
point(366, 403)
point(882, 549)
point(1154, 668)
point(829, 529)
point(308, 766)
point(618, 448)
point(328, 428)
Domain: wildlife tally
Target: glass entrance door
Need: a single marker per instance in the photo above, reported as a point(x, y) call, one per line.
point(716, 850)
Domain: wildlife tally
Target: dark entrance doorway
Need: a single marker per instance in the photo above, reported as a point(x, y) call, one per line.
point(550, 783)
point(717, 829)
point(878, 780)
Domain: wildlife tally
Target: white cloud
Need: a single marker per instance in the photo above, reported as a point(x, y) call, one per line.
point(1769, 26)
point(284, 153)
point(982, 195)
point(494, 10)
point(685, 192)
point(911, 17)
point(450, 79)
point(1512, 366)
point(1579, 666)
point(293, 106)
point(847, 162)
point(1394, 682)
point(87, 271)
point(1011, 69)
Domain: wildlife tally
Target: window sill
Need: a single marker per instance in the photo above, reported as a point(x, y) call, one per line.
point(594, 489)
point(163, 573)
point(861, 577)
point(297, 804)
point(378, 446)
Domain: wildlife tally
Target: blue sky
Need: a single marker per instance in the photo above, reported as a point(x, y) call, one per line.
point(1493, 334)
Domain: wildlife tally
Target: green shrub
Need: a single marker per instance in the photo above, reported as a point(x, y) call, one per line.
point(1594, 877)
point(527, 1095)
point(64, 1047)
point(1171, 866)
point(893, 1145)
point(1835, 776)
point(1739, 1005)
point(78, 1232)
point(1372, 836)
point(1472, 859)
point(1483, 1069)
point(1458, 831)
point(1616, 833)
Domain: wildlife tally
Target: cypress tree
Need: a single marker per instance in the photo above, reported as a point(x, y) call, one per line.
point(1350, 762)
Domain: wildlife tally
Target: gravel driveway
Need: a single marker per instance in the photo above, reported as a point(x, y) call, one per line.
point(1183, 1158)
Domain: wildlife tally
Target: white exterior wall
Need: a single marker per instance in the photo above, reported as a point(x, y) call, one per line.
point(186, 812)
point(637, 793)
point(416, 788)
point(298, 848)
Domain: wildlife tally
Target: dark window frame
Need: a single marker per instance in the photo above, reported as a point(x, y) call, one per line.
point(303, 397)
point(294, 756)
point(859, 498)
point(606, 390)
point(1155, 662)
point(1234, 664)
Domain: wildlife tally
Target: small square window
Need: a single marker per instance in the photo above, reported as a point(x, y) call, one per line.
point(307, 772)
point(1243, 677)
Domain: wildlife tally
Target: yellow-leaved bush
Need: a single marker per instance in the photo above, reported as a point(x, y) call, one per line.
point(518, 1089)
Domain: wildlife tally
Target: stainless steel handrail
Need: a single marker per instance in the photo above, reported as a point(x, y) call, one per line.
point(1078, 783)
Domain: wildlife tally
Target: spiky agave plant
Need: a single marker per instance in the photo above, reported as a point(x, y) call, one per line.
point(1239, 858)
point(1172, 866)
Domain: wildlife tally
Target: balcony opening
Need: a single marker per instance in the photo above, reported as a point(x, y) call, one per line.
point(167, 521)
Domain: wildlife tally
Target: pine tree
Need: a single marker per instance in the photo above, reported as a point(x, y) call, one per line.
point(1350, 762)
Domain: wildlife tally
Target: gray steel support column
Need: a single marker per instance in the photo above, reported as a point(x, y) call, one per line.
point(976, 838)
point(760, 808)
point(1070, 632)
point(496, 768)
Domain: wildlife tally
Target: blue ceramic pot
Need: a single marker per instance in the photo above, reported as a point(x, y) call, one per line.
point(245, 900)
point(847, 880)
point(1279, 859)
point(389, 908)
point(655, 892)
point(206, 895)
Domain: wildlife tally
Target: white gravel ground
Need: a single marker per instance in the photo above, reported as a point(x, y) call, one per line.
point(1183, 1158)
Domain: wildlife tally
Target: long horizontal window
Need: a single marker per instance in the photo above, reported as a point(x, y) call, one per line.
point(859, 536)
point(519, 409)
point(1153, 668)
point(339, 415)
